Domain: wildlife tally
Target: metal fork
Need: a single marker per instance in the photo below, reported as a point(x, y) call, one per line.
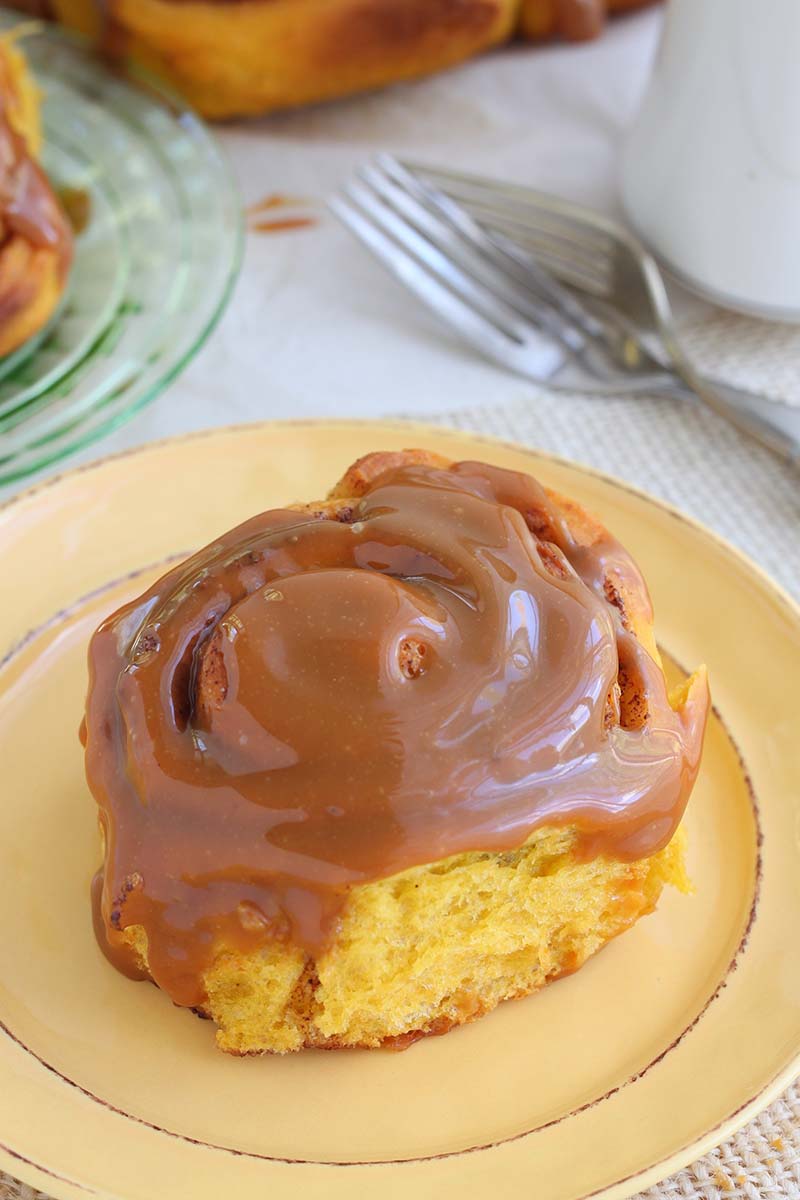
point(474, 252)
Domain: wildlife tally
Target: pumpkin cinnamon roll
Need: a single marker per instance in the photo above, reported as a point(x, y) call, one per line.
point(234, 57)
point(367, 767)
point(35, 236)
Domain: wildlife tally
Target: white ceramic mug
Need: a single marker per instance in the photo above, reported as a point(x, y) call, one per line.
point(711, 168)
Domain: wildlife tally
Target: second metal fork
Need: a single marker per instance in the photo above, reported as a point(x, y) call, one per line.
point(481, 259)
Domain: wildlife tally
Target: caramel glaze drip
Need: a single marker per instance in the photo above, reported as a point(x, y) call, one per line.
point(312, 703)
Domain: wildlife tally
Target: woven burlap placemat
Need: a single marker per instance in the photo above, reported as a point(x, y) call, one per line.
point(685, 455)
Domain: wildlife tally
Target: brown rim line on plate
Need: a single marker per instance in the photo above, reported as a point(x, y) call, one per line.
point(415, 433)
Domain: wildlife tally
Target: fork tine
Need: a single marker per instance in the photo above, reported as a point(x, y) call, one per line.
point(568, 270)
point(612, 321)
point(490, 259)
point(584, 251)
point(532, 214)
point(607, 333)
point(590, 259)
point(556, 255)
point(536, 356)
point(450, 229)
point(583, 244)
point(438, 263)
point(588, 222)
point(503, 252)
point(595, 265)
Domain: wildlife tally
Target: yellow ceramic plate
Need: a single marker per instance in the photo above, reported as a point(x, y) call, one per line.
point(600, 1085)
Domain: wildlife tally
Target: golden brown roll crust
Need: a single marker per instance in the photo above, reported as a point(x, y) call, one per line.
point(254, 56)
point(234, 57)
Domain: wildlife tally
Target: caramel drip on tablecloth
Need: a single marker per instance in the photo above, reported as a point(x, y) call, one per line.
point(317, 701)
point(278, 212)
point(283, 224)
point(272, 201)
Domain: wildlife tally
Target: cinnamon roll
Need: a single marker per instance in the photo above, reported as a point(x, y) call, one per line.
point(35, 236)
point(367, 767)
point(233, 57)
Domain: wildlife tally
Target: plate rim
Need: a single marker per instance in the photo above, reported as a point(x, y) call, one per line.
point(63, 1188)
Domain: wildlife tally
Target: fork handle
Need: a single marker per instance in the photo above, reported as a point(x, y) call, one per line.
point(772, 423)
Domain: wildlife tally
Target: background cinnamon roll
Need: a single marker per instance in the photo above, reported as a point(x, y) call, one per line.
point(35, 236)
point(231, 57)
point(369, 766)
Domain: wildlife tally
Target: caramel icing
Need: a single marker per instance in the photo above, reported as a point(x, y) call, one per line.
point(316, 701)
